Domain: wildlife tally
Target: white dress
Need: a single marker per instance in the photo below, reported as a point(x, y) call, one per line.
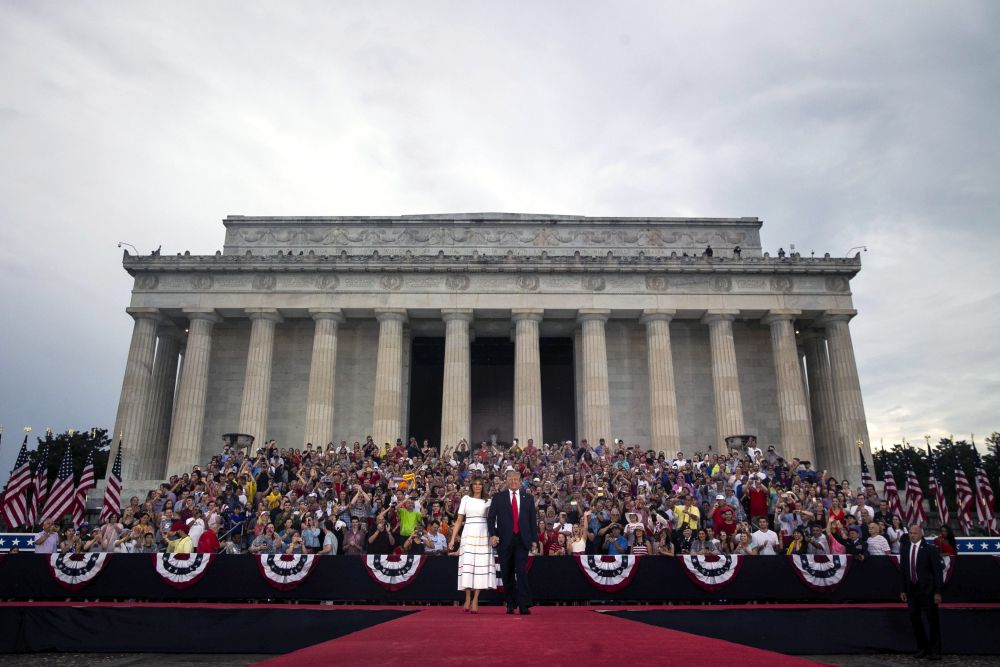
point(476, 565)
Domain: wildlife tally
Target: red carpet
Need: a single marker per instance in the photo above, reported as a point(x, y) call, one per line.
point(550, 636)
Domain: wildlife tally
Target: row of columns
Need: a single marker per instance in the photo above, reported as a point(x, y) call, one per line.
point(816, 422)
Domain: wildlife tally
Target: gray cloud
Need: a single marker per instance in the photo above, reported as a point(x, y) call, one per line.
point(838, 126)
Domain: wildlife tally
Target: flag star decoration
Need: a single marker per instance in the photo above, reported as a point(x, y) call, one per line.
point(23, 541)
point(979, 545)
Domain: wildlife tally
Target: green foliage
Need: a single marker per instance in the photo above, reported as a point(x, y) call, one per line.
point(81, 443)
point(948, 457)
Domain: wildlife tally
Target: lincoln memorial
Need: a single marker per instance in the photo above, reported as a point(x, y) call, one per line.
point(490, 325)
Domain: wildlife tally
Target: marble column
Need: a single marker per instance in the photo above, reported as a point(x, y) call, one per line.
point(596, 405)
point(527, 375)
point(664, 430)
point(800, 352)
point(851, 423)
point(184, 450)
point(725, 376)
point(824, 408)
point(156, 428)
point(456, 388)
point(793, 413)
point(322, 376)
point(133, 402)
point(388, 410)
point(257, 381)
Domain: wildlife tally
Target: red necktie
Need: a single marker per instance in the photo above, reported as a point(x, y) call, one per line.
point(513, 510)
point(913, 563)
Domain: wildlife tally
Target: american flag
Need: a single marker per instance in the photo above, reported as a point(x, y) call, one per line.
point(984, 498)
point(965, 499)
point(60, 501)
point(936, 489)
point(87, 483)
point(914, 500)
point(113, 492)
point(14, 506)
point(39, 485)
point(892, 494)
point(866, 477)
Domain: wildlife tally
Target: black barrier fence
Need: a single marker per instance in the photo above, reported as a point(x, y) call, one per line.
point(552, 579)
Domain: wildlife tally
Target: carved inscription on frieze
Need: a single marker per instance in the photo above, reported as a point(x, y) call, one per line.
point(656, 283)
point(392, 283)
point(457, 283)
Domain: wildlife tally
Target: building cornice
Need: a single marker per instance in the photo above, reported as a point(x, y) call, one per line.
point(476, 263)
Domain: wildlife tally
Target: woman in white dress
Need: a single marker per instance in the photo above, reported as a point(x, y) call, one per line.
point(477, 568)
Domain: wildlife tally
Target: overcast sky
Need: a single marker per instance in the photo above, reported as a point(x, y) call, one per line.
point(839, 125)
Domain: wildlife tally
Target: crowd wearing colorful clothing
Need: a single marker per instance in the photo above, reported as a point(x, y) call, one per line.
point(592, 498)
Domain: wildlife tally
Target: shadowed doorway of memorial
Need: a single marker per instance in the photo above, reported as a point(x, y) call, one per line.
point(492, 380)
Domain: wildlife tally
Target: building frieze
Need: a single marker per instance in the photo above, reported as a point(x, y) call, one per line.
point(182, 282)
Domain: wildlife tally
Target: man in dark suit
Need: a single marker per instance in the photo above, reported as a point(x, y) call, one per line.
point(920, 567)
point(512, 523)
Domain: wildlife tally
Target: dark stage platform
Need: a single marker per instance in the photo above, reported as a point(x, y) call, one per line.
point(325, 634)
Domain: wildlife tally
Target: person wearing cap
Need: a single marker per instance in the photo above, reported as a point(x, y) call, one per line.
point(771, 456)
point(638, 543)
point(182, 545)
point(854, 545)
point(718, 509)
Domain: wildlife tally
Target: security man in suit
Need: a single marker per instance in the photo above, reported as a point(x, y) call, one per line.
point(921, 571)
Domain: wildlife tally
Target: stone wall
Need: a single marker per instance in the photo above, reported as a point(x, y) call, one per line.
point(293, 342)
point(758, 383)
point(628, 381)
point(693, 377)
point(226, 372)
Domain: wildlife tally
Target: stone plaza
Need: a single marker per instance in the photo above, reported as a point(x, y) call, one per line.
point(490, 326)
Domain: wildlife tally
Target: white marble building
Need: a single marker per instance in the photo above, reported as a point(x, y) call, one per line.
point(462, 325)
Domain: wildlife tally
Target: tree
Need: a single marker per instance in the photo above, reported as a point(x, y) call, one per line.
point(948, 457)
point(80, 442)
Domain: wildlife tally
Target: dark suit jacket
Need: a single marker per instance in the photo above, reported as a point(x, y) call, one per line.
point(929, 570)
point(500, 519)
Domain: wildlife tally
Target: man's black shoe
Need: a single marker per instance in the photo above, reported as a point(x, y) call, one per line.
point(510, 609)
point(934, 656)
point(920, 654)
point(525, 611)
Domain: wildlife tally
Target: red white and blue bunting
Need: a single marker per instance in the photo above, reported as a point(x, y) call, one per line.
point(394, 571)
point(75, 571)
point(819, 572)
point(712, 572)
point(286, 571)
point(608, 573)
point(181, 570)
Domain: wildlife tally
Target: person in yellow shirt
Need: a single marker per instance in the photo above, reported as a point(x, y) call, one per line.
point(688, 515)
point(273, 498)
point(249, 488)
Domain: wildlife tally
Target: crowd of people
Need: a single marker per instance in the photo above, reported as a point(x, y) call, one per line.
point(601, 498)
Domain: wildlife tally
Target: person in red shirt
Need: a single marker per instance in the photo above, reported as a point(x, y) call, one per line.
point(208, 543)
point(718, 510)
point(728, 523)
point(758, 499)
point(945, 542)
